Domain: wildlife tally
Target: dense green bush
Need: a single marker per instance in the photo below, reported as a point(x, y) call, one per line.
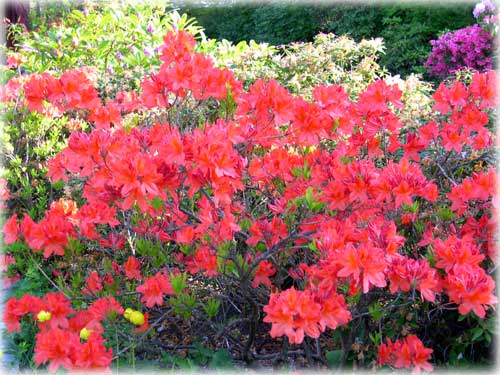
point(276, 23)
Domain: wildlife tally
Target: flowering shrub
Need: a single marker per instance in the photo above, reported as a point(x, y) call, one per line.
point(255, 218)
point(470, 47)
point(465, 48)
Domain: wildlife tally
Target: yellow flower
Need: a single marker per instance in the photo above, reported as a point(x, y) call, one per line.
point(85, 333)
point(43, 316)
point(135, 317)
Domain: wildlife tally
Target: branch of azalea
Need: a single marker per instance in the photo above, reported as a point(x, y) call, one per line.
point(172, 347)
point(285, 352)
point(171, 207)
point(307, 351)
point(84, 298)
point(388, 307)
point(276, 355)
point(294, 236)
point(224, 328)
point(219, 210)
point(229, 299)
point(318, 347)
point(444, 306)
point(46, 276)
point(446, 174)
point(190, 214)
point(492, 270)
point(215, 329)
point(483, 156)
point(156, 322)
point(263, 192)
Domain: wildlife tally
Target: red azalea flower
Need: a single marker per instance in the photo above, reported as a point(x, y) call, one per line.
point(132, 268)
point(57, 346)
point(154, 289)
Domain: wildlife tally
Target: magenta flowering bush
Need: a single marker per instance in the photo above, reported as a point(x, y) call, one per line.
point(470, 47)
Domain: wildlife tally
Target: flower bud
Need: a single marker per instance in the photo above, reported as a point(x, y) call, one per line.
point(43, 316)
point(127, 313)
point(85, 333)
point(148, 51)
point(135, 317)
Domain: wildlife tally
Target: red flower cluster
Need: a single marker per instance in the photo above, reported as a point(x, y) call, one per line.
point(58, 341)
point(467, 121)
point(480, 187)
point(406, 273)
point(294, 313)
point(407, 353)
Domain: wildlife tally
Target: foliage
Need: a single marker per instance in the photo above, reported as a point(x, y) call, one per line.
point(406, 29)
point(202, 216)
point(117, 39)
point(275, 23)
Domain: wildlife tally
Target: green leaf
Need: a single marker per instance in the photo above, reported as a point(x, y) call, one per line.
point(477, 333)
point(445, 213)
point(156, 203)
point(375, 311)
point(221, 359)
point(178, 282)
point(461, 317)
point(212, 307)
point(334, 357)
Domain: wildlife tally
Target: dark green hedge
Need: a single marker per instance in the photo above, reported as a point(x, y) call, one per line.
point(278, 23)
point(406, 29)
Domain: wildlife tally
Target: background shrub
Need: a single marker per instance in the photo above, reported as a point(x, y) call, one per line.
point(407, 29)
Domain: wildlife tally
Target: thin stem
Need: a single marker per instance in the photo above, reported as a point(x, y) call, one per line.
point(47, 277)
point(156, 322)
